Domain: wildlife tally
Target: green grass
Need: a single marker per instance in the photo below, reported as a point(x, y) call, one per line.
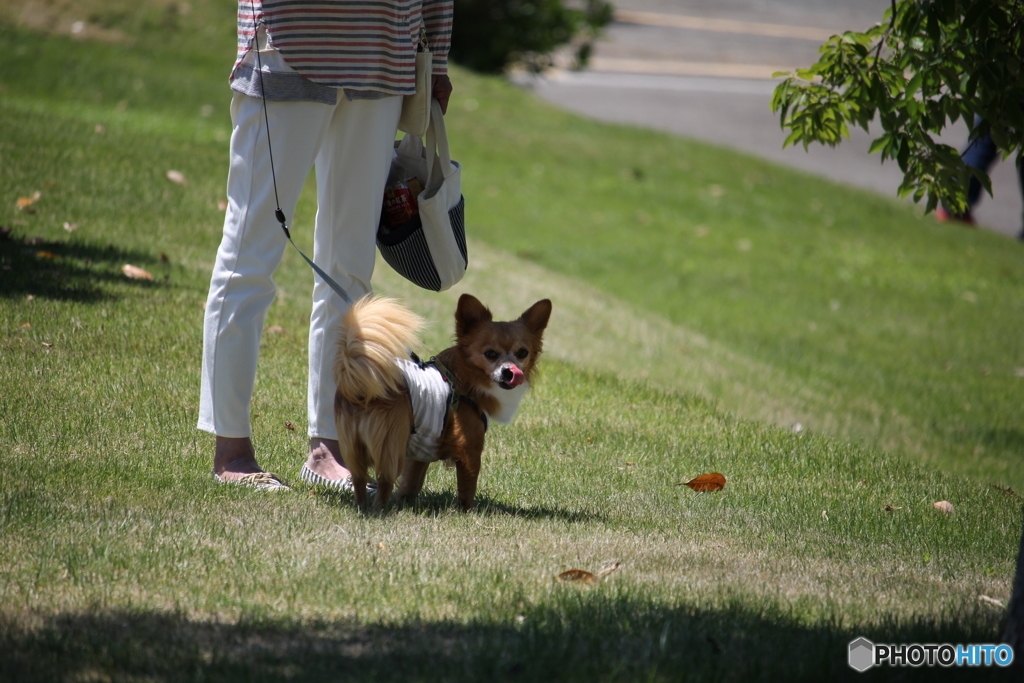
point(674, 349)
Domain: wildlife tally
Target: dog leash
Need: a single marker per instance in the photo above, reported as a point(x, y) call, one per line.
point(278, 213)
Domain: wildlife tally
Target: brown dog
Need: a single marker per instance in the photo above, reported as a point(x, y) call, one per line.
point(398, 414)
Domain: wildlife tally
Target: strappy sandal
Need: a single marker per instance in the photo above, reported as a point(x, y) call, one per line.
point(261, 481)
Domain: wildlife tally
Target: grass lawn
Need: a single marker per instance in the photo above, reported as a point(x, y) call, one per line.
point(704, 302)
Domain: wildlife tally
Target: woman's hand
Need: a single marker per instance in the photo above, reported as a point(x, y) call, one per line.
point(441, 87)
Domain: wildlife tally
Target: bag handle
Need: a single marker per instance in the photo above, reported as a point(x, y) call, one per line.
point(438, 156)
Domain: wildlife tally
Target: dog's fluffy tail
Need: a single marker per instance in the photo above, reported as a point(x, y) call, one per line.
point(375, 331)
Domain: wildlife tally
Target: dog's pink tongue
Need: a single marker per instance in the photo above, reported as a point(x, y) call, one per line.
point(517, 376)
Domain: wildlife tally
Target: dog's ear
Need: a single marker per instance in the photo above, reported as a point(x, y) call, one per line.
point(470, 313)
point(536, 316)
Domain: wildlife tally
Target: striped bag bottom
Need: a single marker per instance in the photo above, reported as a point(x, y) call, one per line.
point(406, 249)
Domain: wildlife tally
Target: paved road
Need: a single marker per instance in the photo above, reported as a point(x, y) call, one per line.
point(702, 69)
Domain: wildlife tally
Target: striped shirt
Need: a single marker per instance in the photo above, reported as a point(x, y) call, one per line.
point(361, 45)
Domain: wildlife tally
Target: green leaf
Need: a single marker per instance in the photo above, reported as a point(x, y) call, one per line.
point(880, 143)
point(792, 138)
point(914, 85)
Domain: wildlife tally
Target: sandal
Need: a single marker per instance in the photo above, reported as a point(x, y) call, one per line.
point(261, 481)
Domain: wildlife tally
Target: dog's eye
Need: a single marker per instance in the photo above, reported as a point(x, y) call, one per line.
point(522, 353)
point(491, 354)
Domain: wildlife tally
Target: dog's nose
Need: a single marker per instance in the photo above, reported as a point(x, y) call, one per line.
point(512, 375)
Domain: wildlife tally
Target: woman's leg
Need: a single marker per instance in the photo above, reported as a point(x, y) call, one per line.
point(351, 172)
point(242, 286)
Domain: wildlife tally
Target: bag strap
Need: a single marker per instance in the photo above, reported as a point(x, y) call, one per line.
point(438, 156)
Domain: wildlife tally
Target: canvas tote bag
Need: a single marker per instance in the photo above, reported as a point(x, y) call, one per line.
point(429, 248)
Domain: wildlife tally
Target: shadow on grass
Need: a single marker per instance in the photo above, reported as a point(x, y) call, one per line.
point(65, 271)
point(432, 503)
point(587, 635)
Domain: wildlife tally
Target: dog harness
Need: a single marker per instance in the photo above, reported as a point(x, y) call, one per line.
point(432, 394)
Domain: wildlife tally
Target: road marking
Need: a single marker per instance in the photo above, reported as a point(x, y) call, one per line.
point(749, 28)
point(676, 68)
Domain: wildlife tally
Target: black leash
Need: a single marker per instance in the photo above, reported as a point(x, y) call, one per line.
point(278, 213)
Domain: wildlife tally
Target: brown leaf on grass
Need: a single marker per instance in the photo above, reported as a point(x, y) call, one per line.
point(890, 508)
point(583, 576)
point(135, 272)
point(706, 482)
point(289, 426)
point(991, 601)
point(45, 254)
point(944, 506)
point(177, 177)
point(579, 576)
point(25, 202)
point(24, 325)
point(1008, 491)
point(275, 329)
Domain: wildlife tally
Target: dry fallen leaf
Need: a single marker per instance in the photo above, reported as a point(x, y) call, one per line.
point(275, 329)
point(583, 576)
point(177, 177)
point(45, 254)
point(25, 202)
point(26, 325)
point(135, 272)
point(991, 601)
point(890, 508)
point(579, 575)
point(707, 482)
point(944, 506)
point(289, 426)
point(1008, 491)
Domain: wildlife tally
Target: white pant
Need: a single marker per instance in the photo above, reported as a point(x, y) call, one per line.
point(351, 145)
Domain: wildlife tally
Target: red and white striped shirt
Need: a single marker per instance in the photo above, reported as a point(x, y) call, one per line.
point(352, 44)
